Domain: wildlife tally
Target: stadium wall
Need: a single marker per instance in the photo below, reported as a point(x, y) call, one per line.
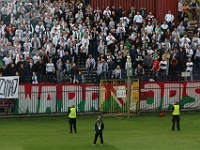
point(158, 7)
point(57, 98)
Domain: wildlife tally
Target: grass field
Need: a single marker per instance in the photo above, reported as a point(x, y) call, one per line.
point(142, 132)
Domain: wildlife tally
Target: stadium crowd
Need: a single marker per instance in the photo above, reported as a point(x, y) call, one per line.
point(42, 39)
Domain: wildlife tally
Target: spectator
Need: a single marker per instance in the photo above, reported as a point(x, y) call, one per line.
point(169, 18)
point(67, 56)
point(139, 71)
point(155, 69)
point(67, 70)
point(10, 69)
point(166, 57)
point(163, 69)
point(74, 71)
point(181, 29)
point(138, 19)
point(173, 68)
point(148, 61)
point(197, 58)
point(59, 70)
point(104, 69)
point(189, 52)
point(111, 67)
point(69, 30)
point(36, 58)
point(50, 69)
point(189, 68)
point(22, 73)
point(79, 78)
point(193, 8)
point(107, 14)
point(186, 23)
point(90, 65)
point(139, 58)
point(6, 59)
point(143, 12)
point(149, 29)
point(34, 78)
point(117, 73)
point(99, 71)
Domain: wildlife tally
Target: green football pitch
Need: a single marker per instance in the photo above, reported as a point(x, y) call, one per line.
point(141, 132)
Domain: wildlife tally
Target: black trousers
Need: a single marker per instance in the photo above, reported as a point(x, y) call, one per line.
point(175, 120)
point(96, 137)
point(50, 77)
point(72, 122)
point(82, 58)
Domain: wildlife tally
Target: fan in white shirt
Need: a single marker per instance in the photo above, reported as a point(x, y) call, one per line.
point(4, 9)
point(61, 52)
point(107, 12)
point(109, 39)
point(175, 33)
point(6, 60)
point(163, 65)
point(36, 58)
point(138, 18)
point(189, 65)
point(26, 53)
point(85, 39)
point(39, 26)
point(164, 26)
point(169, 17)
point(149, 28)
point(182, 40)
point(189, 52)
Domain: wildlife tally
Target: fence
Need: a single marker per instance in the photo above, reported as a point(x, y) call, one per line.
point(54, 98)
point(171, 76)
point(162, 95)
point(114, 96)
point(146, 96)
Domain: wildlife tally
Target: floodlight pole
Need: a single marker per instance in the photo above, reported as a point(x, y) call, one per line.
point(129, 74)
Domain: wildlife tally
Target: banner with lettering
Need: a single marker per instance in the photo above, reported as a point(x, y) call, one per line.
point(56, 98)
point(9, 87)
point(162, 95)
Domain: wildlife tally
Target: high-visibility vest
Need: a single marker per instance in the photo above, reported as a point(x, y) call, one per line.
point(72, 113)
point(176, 110)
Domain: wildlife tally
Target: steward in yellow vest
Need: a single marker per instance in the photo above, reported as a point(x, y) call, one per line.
point(72, 118)
point(176, 116)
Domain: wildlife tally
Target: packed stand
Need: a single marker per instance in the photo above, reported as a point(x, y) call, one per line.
point(48, 42)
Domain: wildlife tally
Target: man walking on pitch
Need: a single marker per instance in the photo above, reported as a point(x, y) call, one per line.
point(72, 118)
point(176, 116)
point(99, 126)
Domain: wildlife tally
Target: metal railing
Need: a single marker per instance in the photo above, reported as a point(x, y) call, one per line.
point(146, 76)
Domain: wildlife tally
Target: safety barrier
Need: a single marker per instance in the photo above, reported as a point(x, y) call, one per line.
point(162, 95)
point(108, 98)
point(114, 96)
point(52, 98)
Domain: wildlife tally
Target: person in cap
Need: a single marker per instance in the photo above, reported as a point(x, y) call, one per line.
point(176, 116)
point(72, 118)
point(99, 127)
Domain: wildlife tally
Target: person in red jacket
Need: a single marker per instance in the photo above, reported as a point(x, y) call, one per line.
point(156, 68)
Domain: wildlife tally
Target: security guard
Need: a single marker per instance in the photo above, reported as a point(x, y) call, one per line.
point(176, 116)
point(72, 118)
point(99, 126)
